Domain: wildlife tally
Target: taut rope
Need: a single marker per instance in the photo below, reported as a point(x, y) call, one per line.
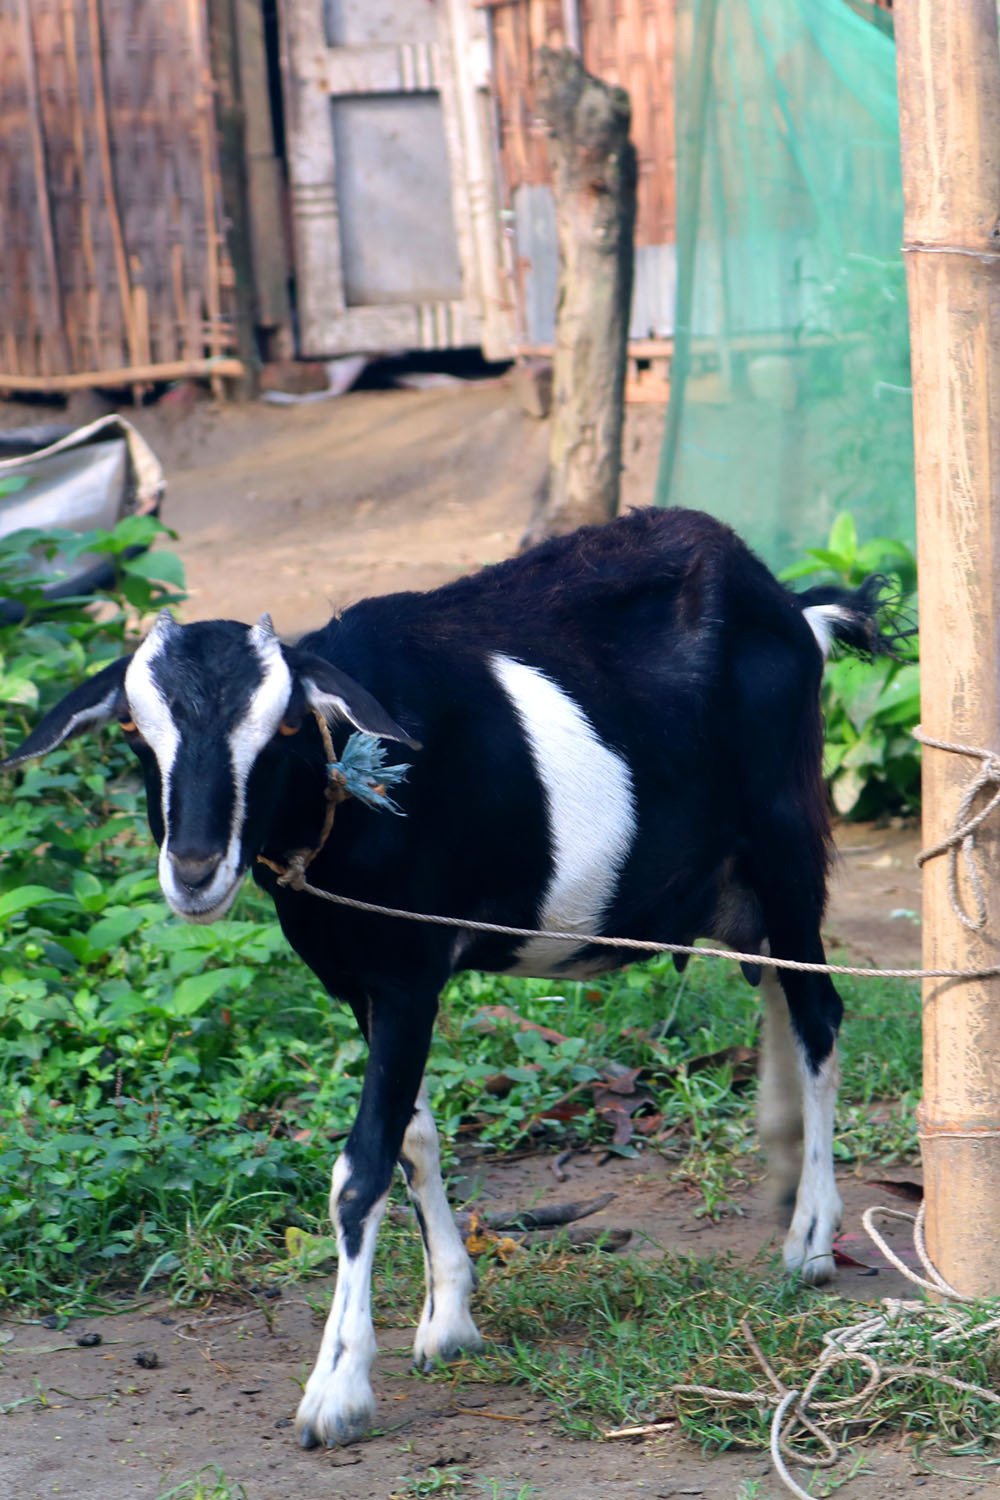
point(293, 876)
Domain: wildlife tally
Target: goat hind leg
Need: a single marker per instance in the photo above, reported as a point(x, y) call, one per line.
point(818, 1207)
point(795, 1123)
point(779, 1097)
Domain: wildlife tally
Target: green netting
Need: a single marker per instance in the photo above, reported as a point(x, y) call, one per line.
point(790, 398)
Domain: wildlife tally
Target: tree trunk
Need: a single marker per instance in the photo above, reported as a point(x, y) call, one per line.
point(594, 172)
point(949, 96)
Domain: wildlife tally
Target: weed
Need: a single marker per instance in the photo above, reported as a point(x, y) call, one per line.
point(448, 1481)
point(38, 1397)
point(506, 1489)
point(209, 1483)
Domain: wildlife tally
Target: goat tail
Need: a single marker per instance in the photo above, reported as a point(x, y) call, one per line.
point(870, 621)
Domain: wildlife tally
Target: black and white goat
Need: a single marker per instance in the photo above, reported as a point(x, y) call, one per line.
point(617, 733)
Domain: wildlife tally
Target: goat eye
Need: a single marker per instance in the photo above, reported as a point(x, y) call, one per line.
point(287, 728)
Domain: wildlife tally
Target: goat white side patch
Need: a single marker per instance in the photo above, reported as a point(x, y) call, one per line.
point(590, 805)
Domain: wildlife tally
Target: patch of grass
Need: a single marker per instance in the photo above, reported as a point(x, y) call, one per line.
point(167, 1109)
point(507, 1489)
point(447, 1481)
point(606, 1341)
point(209, 1483)
point(170, 1102)
point(707, 1123)
point(454, 1481)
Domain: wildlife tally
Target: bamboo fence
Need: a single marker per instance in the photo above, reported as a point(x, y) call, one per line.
point(112, 256)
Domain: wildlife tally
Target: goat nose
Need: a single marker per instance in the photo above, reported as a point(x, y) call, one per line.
point(194, 871)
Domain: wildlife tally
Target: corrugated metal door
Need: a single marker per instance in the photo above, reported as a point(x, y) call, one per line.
point(387, 253)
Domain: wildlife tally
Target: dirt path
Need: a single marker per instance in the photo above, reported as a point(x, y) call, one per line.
point(300, 511)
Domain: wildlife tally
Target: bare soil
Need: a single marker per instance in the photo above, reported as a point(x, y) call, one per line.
point(299, 511)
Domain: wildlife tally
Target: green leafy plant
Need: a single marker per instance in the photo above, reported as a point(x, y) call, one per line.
point(872, 763)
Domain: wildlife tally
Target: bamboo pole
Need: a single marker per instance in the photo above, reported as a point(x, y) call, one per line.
point(949, 95)
point(222, 368)
point(206, 136)
point(103, 132)
point(93, 354)
point(54, 318)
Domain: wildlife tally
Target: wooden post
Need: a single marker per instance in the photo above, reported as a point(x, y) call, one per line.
point(594, 171)
point(949, 95)
point(230, 120)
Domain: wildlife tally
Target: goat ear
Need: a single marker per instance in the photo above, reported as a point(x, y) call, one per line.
point(334, 694)
point(92, 703)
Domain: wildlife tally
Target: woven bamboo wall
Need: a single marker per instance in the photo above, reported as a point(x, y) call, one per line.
point(629, 42)
point(111, 253)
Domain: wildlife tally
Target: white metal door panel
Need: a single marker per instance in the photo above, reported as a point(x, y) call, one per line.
point(389, 215)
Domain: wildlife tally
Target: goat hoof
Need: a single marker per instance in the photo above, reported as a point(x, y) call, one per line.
point(334, 1423)
point(446, 1354)
point(818, 1270)
point(809, 1243)
point(431, 1348)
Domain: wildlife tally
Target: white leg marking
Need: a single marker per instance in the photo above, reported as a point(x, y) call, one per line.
point(590, 804)
point(446, 1324)
point(338, 1405)
point(779, 1097)
point(818, 1209)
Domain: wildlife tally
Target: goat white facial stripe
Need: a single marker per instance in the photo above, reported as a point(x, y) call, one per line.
point(590, 805)
point(258, 724)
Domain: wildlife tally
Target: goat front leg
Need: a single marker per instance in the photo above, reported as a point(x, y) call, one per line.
point(446, 1325)
point(338, 1405)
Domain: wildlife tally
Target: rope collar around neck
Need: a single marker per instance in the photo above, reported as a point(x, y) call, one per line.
point(293, 873)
